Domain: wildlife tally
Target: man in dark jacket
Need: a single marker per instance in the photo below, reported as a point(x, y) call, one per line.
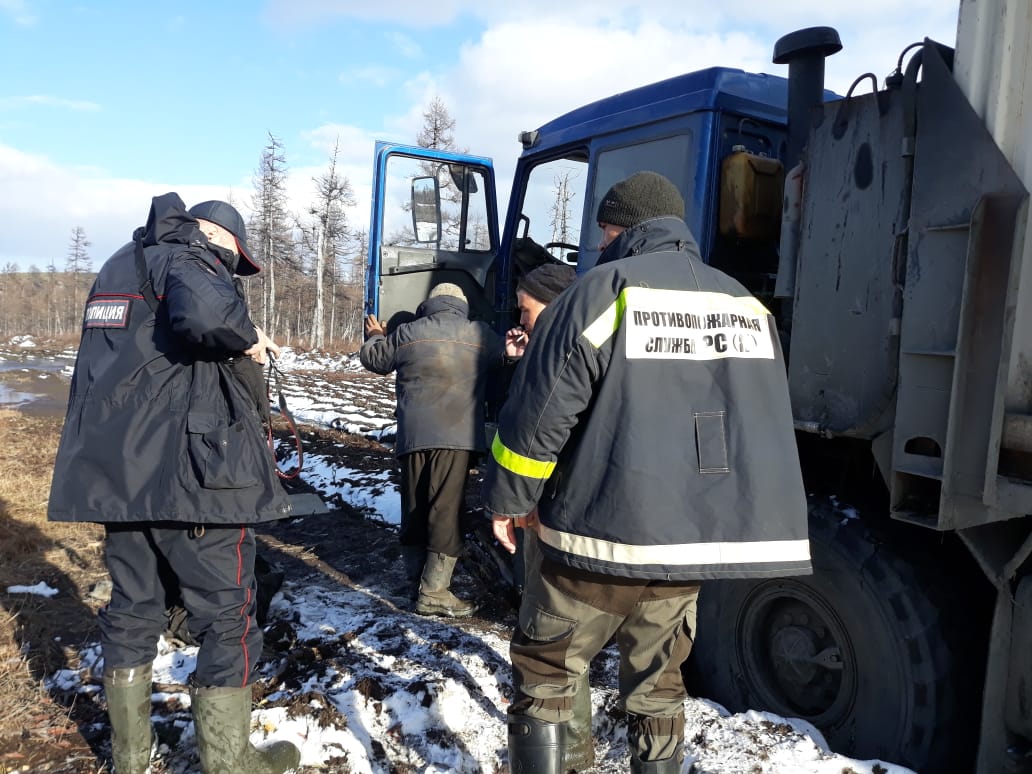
point(534, 291)
point(162, 444)
point(655, 435)
point(442, 359)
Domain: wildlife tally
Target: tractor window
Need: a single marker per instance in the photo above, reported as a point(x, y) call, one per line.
point(553, 203)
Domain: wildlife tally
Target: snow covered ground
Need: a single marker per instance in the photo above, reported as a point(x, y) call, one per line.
point(385, 690)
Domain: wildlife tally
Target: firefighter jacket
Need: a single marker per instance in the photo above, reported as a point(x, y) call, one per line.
point(157, 426)
point(443, 361)
point(650, 423)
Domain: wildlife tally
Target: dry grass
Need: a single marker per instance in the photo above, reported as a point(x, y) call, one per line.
point(39, 635)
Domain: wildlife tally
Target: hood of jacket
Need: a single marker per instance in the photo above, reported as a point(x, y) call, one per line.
point(168, 222)
point(651, 236)
point(439, 304)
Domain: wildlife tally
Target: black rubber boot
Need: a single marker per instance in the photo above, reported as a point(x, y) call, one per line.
point(579, 754)
point(128, 693)
point(222, 719)
point(535, 745)
point(434, 596)
point(671, 765)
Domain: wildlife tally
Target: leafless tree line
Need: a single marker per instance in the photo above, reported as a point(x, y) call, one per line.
point(309, 294)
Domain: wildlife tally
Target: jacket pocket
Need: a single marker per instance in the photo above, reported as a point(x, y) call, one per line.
point(223, 456)
point(711, 441)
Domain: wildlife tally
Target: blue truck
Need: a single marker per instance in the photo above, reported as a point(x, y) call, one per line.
point(886, 231)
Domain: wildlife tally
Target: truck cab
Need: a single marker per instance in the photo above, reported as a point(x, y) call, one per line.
point(435, 217)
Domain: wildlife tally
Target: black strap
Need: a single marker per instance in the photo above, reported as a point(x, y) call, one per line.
point(285, 412)
point(142, 275)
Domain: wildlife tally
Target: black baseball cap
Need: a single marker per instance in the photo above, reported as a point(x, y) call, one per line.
point(225, 215)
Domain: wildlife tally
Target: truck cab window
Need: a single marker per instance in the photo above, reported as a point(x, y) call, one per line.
point(553, 205)
point(461, 200)
point(672, 156)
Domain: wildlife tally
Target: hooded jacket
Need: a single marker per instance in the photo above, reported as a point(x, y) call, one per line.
point(443, 360)
point(653, 428)
point(157, 427)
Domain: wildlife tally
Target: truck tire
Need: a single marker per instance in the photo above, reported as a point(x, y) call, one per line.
point(858, 649)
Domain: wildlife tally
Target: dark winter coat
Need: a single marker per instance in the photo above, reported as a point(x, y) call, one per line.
point(443, 360)
point(653, 427)
point(158, 428)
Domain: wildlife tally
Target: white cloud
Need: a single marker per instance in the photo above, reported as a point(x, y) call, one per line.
point(520, 74)
point(405, 45)
point(354, 161)
point(19, 11)
point(47, 201)
point(412, 12)
point(671, 14)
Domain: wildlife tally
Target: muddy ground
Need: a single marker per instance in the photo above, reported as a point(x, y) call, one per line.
point(342, 546)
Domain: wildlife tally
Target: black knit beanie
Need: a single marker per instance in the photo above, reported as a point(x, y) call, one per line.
point(642, 196)
point(547, 281)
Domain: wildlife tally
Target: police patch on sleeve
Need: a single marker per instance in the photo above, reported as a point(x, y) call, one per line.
point(107, 312)
point(694, 325)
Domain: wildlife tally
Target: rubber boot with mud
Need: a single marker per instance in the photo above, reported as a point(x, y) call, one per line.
point(434, 596)
point(222, 719)
point(579, 752)
point(535, 745)
point(128, 692)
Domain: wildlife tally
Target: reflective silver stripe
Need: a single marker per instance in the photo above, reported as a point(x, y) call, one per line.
point(682, 554)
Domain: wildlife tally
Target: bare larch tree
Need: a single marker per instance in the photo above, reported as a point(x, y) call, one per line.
point(270, 231)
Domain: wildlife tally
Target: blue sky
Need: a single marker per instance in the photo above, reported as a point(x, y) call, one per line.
point(104, 104)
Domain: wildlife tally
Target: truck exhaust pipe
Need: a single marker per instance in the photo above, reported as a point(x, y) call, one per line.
point(804, 51)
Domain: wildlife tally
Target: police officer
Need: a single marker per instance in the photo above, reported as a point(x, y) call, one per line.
point(162, 444)
point(658, 456)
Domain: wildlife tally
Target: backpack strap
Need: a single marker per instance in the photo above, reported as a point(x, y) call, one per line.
point(142, 275)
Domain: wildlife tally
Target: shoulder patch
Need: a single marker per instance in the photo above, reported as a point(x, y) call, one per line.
point(107, 312)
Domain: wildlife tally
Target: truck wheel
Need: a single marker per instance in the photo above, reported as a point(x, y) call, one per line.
point(858, 649)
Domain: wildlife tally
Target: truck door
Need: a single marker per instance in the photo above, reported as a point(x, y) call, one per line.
point(434, 219)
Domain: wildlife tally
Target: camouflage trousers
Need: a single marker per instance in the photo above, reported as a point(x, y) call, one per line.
point(567, 616)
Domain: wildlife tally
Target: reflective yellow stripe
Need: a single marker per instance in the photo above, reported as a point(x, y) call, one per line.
point(607, 323)
point(684, 554)
point(517, 463)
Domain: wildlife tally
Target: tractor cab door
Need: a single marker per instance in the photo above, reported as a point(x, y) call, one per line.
point(434, 219)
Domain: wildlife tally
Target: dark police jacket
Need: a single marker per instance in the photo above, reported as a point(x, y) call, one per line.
point(652, 426)
point(158, 428)
point(443, 360)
